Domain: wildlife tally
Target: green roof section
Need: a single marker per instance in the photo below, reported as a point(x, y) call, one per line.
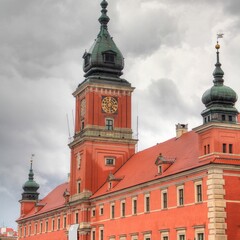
point(104, 60)
point(219, 99)
point(30, 187)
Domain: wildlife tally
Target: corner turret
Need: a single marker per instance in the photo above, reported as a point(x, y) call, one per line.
point(219, 99)
point(30, 187)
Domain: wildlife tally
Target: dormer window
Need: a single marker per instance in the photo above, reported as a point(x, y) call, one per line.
point(86, 57)
point(109, 57)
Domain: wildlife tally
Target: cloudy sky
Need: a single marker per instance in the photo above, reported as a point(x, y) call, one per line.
point(169, 53)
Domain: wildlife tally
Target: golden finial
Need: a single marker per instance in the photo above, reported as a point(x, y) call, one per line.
point(217, 46)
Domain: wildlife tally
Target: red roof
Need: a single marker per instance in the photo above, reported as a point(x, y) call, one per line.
point(53, 200)
point(141, 167)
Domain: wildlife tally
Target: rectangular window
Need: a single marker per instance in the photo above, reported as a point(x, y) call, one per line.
point(53, 225)
point(134, 206)
point(41, 227)
point(180, 196)
point(208, 148)
point(112, 210)
point(147, 236)
point(205, 150)
point(200, 236)
point(223, 117)
point(147, 203)
point(58, 223)
point(109, 161)
point(76, 217)
point(101, 210)
point(78, 186)
point(198, 192)
point(93, 212)
point(165, 237)
point(181, 237)
point(93, 235)
point(230, 118)
point(64, 222)
point(29, 230)
point(123, 205)
point(230, 148)
point(109, 124)
point(164, 199)
point(35, 230)
point(101, 234)
point(224, 147)
point(46, 226)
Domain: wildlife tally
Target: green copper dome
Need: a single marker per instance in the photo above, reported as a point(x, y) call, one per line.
point(219, 99)
point(30, 187)
point(104, 59)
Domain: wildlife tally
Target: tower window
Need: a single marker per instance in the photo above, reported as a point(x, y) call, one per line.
point(76, 217)
point(208, 148)
point(223, 117)
point(230, 148)
point(109, 124)
point(109, 57)
point(87, 59)
point(224, 147)
point(110, 161)
point(82, 125)
point(230, 118)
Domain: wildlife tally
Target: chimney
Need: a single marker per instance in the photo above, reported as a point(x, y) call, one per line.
point(181, 129)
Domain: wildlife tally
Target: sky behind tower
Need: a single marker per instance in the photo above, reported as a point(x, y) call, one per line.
point(169, 53)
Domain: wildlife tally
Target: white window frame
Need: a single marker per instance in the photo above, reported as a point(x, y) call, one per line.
point(199, 230)
point(112, 216)
point(178, 195)
point(164, 234)
point(197, 183)
point(180, 233)
point(101, 207)
point(160, 169)
point(147, 195)
point(133, 200)
point(146, 236)
point(93, 212)
point(101, 229)
point(107, 126)
point(135, 237)
point(93, 230)
point(64, 222)
point(113, 159)
point(53, 224)
point(123, 203)
point(162, 199)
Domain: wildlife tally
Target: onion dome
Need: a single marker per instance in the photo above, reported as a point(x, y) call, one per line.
point(30, 187)
point(104, 59)
point(219, 99)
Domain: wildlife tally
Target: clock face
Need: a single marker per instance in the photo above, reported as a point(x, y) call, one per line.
point(109, 104)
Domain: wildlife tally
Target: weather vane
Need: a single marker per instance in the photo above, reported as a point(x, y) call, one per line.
point(32, 156)
point(219, 35)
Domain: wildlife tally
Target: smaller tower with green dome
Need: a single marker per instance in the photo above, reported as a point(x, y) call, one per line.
point(219, 99)
point(30, 187)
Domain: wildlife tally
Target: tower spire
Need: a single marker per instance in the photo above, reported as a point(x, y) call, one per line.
point(218, 72)
point(104, 19)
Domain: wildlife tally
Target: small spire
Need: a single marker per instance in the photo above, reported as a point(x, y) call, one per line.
point(218, 72)
point(104, 19)
point(31, 174)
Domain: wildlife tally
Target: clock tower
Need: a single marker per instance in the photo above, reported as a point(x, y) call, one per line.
point(103, 139)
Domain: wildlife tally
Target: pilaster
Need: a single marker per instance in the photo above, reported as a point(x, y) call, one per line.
point(216, 205)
